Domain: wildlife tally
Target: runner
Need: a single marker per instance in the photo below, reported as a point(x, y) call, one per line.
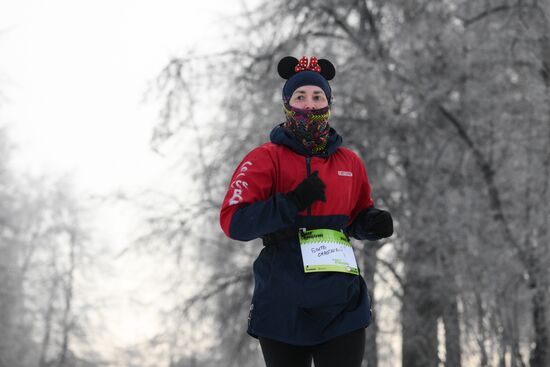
point(305, 195)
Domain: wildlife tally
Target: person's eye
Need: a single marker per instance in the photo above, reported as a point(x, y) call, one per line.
point(299, 98)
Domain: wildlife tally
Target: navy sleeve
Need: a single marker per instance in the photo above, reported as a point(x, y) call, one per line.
point(256, 219)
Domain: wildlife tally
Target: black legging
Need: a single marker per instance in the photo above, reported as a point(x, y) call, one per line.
point(343, 351)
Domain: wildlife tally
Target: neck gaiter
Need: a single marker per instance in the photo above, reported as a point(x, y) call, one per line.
point(310, 127)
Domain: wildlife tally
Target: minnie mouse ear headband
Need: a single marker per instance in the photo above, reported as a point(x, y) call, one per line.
point(300, 73)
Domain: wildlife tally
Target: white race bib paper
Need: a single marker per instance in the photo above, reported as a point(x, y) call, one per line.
point(327, 250)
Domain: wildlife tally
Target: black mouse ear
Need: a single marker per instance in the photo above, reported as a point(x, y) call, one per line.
point(327, 69)
point(286, 67)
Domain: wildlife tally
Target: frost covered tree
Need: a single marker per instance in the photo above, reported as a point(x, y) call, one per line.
point(447, 103)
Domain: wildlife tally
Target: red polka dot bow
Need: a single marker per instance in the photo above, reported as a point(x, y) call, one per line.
point(303, 64)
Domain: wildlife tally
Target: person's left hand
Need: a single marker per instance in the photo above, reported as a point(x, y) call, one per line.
point(378, 222)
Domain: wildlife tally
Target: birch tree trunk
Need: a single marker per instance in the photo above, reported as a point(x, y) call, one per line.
point(419, 309)
point(369, 269)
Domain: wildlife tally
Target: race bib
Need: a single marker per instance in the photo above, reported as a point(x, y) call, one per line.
point(327, 250)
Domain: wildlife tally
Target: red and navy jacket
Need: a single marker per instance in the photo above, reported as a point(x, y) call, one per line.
point(288, 304)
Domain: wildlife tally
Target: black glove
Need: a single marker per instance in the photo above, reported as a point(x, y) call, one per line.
point(309, 190)
point(377, 221)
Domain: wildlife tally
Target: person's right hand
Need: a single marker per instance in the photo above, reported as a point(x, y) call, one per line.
point(309, 190)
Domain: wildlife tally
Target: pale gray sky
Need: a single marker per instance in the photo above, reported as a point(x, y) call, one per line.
point(74, 74)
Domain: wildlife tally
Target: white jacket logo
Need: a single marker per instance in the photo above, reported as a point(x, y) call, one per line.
point(345, 173)
point(238, 185)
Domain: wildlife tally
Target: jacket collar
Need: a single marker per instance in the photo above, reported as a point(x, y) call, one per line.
point(279, 135)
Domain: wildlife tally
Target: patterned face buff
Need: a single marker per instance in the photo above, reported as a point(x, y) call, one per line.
point(310, 127)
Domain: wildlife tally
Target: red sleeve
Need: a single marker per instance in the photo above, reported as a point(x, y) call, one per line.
point(251, 182)
point(363, 190)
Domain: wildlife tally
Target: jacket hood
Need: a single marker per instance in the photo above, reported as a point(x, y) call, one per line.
point(279, 135)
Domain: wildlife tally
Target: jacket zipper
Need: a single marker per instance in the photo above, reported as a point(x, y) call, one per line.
point(308, 170)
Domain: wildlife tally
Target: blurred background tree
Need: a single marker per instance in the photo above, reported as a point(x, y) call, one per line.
point(43, 261)
point(447, 103)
